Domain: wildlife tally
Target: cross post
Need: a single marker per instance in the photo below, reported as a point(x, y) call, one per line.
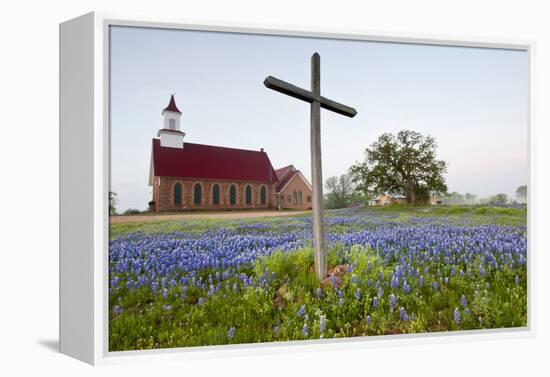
point(316, 102)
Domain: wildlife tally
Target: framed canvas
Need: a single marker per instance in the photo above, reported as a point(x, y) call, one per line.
point(202, 209)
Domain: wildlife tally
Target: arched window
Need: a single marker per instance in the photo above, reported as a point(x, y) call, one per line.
point(248, 195)
point(232, 195)
point(263, 194)
point(294, 198)
point(300, 197)
point(177, 193)
point(197, 194)
point(216, 195)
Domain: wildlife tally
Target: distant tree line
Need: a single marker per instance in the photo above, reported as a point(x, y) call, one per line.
point(456, 198)
point(405, 165)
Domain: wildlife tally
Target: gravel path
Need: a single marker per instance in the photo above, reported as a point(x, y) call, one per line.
point(202, 216)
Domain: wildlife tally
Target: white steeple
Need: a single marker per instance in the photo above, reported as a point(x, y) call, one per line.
point(170, 135)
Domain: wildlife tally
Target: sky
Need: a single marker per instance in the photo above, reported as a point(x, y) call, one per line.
point(473, 101)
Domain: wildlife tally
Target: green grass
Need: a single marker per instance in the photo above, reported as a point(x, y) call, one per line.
point(146, 323)
point(458, 214)
point(269, 312)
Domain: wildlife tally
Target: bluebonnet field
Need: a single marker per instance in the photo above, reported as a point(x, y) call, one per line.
point(405, 270)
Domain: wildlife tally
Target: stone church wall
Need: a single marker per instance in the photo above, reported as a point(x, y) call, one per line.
point(163, 195)
point(295, 185)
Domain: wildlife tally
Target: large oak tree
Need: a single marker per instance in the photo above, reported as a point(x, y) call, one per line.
point(404, 164)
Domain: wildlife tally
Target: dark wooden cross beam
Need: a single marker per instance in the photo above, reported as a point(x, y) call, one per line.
point(317, 101)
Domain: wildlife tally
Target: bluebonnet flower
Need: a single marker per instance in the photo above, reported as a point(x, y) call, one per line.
point(117, 310)
point(368, 320)
point(305, 330)
point(375, 302)
point(463, 301)
point(140, 260)
point(482, 271)
point(166, 307)
point(393, 301)
point(340, 294)
point(301, 311)
point(211, 290)
point(322, 323)
point(401, 313)
point(358, 294)
point(319, 293)
point(467, 311)
point(201, 301)
point(394, 282)
point(405, 317)
point(231, 332)
point(456, 316)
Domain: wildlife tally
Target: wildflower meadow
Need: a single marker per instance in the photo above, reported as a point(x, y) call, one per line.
point(392, 271)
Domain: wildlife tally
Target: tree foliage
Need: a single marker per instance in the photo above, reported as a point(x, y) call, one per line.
point(498, 199)
point(340, 191)
point(113, 201)
point(404, 164)
point(521, 193)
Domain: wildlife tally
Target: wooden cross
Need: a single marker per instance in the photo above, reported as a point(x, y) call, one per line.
point(317, 101)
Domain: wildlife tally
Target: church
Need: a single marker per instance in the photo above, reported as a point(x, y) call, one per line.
point(197, 177)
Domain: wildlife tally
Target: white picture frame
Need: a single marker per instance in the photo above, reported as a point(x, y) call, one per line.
point(84, 174)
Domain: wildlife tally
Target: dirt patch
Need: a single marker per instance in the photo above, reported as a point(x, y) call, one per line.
point(202, 216)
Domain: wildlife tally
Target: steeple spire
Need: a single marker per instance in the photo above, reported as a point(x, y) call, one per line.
point(170, 134)
point(171, 106)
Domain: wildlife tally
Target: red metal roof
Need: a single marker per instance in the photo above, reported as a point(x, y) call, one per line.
point(212, 162)
point(282, 183)
point(172, 106)
point(281, 172)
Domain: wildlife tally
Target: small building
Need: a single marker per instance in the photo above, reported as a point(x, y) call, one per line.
point(387, 199)
point(293, 189)
point(193, 177)
point(436, 200)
